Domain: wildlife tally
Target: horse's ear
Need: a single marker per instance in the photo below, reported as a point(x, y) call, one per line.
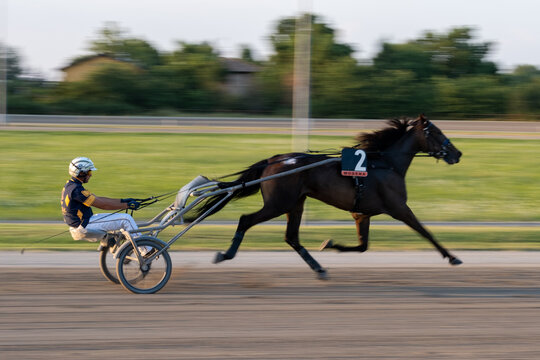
point(422, 119)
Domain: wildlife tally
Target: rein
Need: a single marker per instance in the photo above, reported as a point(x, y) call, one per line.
point(154, 199)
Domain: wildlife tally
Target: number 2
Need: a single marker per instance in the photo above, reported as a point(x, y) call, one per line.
point(359, 165)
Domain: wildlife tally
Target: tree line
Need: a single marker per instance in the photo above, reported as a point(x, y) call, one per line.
point(446, 75)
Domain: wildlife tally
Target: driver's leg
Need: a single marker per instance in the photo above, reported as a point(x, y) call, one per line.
point(111, 222)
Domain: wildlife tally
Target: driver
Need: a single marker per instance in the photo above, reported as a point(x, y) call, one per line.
point(76, 207)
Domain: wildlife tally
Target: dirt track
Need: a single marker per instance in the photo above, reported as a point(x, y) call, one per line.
point(434, 312)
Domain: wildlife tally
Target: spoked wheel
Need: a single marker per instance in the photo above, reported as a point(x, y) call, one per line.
point(148, 276)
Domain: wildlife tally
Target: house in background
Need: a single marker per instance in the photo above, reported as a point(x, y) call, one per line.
point(239, 74)
point(82, 67)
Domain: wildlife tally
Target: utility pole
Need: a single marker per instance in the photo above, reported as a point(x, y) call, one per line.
point(301, 82)
point(3, 65)
point(3, 84)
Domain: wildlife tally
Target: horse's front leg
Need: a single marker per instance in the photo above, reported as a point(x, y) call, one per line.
point(233, 249)
point(406, 215)
point(245, 223)
point(362, 229)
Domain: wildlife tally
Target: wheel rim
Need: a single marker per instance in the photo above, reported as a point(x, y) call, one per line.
point(143, 278)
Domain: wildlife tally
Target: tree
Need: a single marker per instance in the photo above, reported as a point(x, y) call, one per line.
point(246, 54)
point(191, 76)
point(113, 89)
point(24, 91)
point(451, 55)
point(529, 97)
point(328, 59)
point(525, 73)
point(113, 41)
point(409, 57)
point(13, 63)
point(525, 95)
point(470, 97)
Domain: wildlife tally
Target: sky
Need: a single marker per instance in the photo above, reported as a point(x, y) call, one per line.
point(47, 34)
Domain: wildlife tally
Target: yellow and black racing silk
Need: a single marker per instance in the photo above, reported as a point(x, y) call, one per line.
point(76, 202)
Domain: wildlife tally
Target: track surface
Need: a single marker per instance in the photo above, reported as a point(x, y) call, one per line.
point(407, 309)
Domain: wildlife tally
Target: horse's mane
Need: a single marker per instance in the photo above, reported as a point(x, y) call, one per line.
point(382, 139)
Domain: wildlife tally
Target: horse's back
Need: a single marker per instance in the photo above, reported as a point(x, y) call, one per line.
point(323, 183)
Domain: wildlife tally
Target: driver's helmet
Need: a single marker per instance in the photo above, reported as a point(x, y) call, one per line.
point(80, 165)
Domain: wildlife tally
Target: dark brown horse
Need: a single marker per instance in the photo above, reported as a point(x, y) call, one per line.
point(390, 152)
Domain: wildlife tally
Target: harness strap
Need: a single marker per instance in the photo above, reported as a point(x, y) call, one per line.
point(359, 187)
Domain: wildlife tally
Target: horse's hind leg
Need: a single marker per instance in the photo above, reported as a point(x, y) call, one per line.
point(362, 229)
point(292, 238)
point(245, 222)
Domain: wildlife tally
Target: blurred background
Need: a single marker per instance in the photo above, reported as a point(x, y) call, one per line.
point(459, 60)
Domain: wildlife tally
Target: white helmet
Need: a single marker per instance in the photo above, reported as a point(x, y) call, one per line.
point(79, 165)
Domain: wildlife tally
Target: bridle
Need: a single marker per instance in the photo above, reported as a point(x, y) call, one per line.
point(443, 152)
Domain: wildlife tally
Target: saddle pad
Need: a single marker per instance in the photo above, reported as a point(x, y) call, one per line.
point(353, 162)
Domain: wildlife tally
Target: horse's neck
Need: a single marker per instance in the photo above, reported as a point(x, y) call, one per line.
point(403, 152)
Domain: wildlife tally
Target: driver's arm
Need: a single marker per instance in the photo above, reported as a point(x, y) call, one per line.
point(106, 203)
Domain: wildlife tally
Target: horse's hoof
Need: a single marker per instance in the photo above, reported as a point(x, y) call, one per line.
point(219, 257)
point(322, 274)
point(455, 261)
point(327, 244)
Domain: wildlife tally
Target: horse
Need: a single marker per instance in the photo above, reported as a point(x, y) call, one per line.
point(389, 152)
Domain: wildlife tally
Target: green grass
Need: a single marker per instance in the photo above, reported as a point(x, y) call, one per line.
point(497, 180)
point(269, 237)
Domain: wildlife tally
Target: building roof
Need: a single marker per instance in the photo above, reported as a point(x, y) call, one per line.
point(234, 65)
point(84, 58)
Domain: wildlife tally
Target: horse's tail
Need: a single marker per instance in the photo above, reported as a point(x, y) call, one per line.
point(253, 172)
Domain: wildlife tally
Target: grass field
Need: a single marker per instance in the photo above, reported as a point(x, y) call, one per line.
point(497, 180)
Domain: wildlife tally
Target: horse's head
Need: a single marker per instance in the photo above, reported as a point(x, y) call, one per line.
point(434, 142)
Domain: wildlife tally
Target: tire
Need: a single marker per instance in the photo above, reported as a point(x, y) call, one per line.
point(134, 277)
point(107, 262)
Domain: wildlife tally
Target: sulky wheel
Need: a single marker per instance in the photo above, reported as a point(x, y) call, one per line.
point(107, 264)
point(151, 274)
point(107, 260)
